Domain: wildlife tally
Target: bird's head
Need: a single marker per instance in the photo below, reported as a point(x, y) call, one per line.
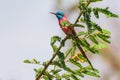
point(58, 14)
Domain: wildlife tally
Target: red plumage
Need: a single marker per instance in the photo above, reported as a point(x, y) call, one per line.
point(65, 29)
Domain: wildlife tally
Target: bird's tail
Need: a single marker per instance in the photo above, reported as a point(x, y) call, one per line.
point(81, 49)
point(84, 55)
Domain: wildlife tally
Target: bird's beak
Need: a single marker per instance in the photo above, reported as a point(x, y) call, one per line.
point(53, 13)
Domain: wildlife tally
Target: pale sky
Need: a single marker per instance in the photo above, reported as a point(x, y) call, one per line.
point(25, 30)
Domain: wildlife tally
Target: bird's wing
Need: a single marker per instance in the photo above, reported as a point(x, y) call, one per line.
point(65, 23)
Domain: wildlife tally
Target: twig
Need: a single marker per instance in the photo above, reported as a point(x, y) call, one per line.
point(80, 14)
point(56, 52)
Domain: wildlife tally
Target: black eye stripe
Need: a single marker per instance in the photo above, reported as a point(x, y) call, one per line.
point(60, 14)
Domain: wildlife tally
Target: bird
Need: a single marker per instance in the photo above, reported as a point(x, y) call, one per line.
point(65, 25)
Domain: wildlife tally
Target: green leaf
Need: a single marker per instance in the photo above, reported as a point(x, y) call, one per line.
point(79, 25)
point(54, 39)
point(86, 45)
point(35, 61)
point(96, 26)
point(73, 50)
point(87, 19)
point(81, 33)
point(66, 76)
point(91, 49)
point(70, 70)
point(75, 63)
point(35, 70)
point(50, 76)
point(56, 71)
point(77, 72)
point(91, 73)
point(92, 38)
point(81, 57)
point(83, 42)
point(45, 63)
point(61, 59)
point(74, 42)
point(106, 36)
point(58, 77)
point(54, 48)
point(96, 0)
point(103, 38)
point(82, 5)
point(68, 51)
point(94, 50)
point(74, 77)
point(63, 43)
point(105, 31)
point(27, 61)
point(106, 12)
point(96, 13)
point(90, 69)
point(61, 55)
point(82, 20)
point(100, 46)
point(38, 71)
point(45, 77)
point(56, 63)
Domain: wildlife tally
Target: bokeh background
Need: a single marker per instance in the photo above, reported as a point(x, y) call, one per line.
point(25, 30)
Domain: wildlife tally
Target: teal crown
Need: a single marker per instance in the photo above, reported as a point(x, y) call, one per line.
point(59, 15)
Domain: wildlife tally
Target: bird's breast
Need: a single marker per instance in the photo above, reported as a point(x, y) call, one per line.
point(65, 25)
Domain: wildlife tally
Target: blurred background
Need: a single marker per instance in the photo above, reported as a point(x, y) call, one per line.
point(25, 30)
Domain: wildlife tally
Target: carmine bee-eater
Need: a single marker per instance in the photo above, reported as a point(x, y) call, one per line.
point(66, 27)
